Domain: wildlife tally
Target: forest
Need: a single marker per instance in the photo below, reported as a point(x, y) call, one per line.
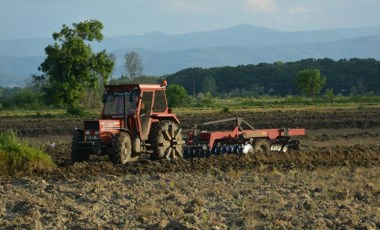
point(345, 76)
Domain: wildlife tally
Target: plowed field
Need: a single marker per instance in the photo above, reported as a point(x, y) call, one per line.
point(333, 182)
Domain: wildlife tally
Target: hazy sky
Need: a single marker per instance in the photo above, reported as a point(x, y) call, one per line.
point(40, 18)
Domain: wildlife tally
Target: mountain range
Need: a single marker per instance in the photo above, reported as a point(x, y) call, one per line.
point(167, 53)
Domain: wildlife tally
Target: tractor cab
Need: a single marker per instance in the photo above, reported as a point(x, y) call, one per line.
point(136, 106)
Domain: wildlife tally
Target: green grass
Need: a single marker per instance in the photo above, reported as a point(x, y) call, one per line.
point(268, 103)
point(18, 158)
point(46, 113)
point(252, 104)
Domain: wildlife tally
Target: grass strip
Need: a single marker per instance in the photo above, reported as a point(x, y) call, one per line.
point(18, 158)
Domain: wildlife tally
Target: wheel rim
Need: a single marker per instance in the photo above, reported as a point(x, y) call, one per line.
point(172, 142)
point(262, 147)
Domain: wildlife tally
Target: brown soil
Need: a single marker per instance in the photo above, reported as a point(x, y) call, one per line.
point(366, 117)
point(333, 182)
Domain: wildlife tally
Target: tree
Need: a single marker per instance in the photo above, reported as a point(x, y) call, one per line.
point(176, 95)
point(209, 85)
point(71, 67)
point(133, 64)
point(206, 100)
point(257, 90)
point(330, 94)
point(310, 82)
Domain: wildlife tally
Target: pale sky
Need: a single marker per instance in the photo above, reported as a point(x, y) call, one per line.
point(40, 18)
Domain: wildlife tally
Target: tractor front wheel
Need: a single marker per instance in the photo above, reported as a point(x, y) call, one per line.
point(167, 141)
point(122, 151)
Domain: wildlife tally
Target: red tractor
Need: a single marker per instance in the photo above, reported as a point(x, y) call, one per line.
point(135, 119)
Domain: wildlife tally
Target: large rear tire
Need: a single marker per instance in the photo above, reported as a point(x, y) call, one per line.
point(262, 146)
point(76, 156)
point(167, 141)
point(122, 151)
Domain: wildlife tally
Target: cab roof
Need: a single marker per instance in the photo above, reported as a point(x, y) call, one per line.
point(133, 87)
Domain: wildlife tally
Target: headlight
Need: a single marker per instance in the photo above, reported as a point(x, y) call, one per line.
point(87, 132)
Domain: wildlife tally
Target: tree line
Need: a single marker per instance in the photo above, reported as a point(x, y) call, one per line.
point(345, 76)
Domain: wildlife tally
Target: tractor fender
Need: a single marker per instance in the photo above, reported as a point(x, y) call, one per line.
point(123, 130)
point(159, 117)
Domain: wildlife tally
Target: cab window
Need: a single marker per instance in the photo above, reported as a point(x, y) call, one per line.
point(159, 102)
point(114, 103)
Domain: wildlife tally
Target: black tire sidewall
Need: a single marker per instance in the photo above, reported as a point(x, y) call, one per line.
point(121, 141)
point(76, 156)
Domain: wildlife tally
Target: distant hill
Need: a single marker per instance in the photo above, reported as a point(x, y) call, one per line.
point(241, 36)
point(245, 44)
point(159, 63)
point(21, 66)
point(11, 80)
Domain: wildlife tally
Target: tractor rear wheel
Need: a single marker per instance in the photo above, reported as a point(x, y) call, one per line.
point(262, 146)
point(122, 151)
point(167, 141)
point(76, 156)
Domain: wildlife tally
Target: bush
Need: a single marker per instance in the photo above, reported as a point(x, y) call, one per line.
point(18, 158)
point(206, 101)
point(75, 111)
point(177, 96)
point(225, 110)
point(22, 98)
